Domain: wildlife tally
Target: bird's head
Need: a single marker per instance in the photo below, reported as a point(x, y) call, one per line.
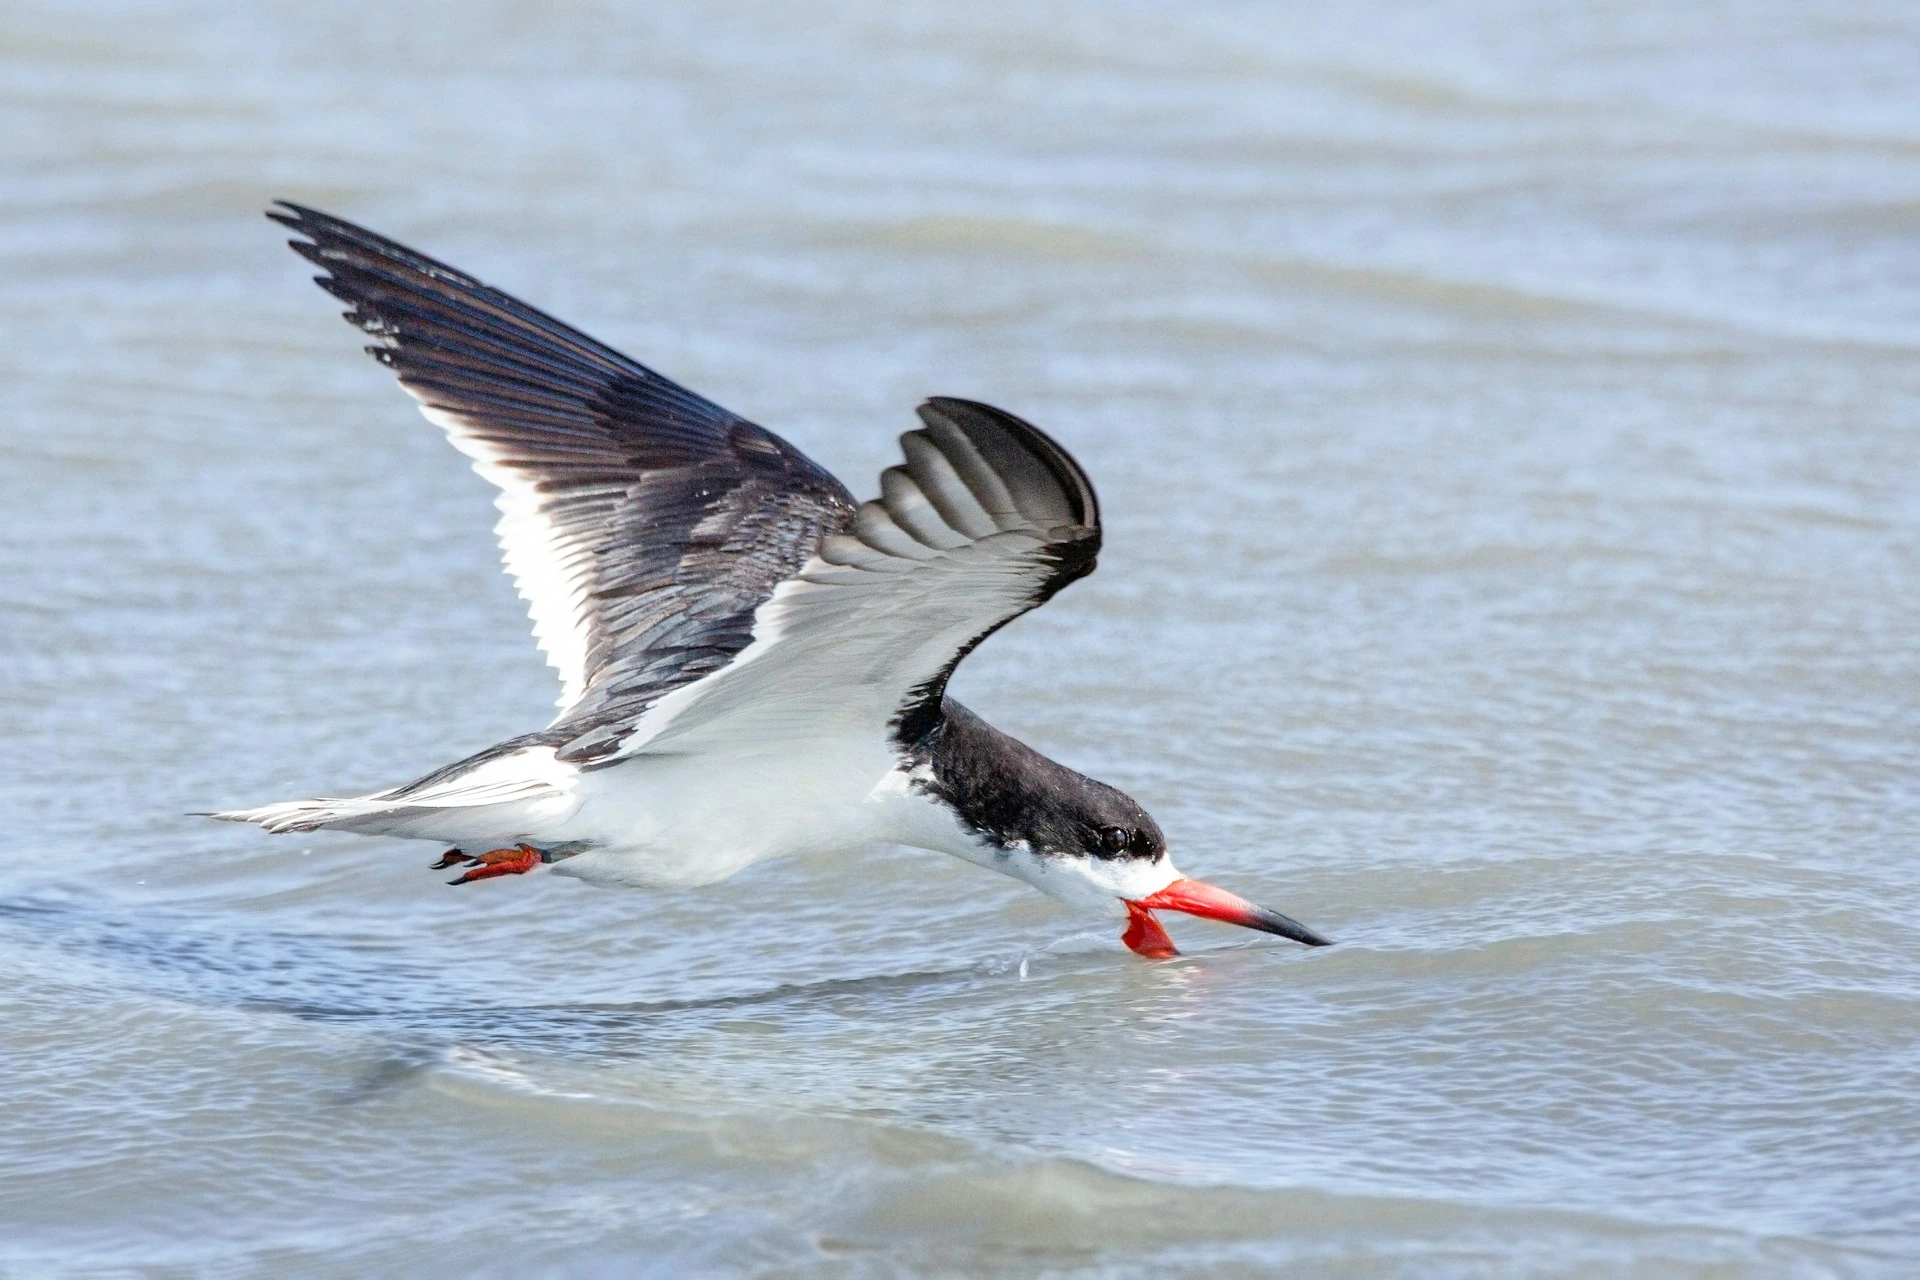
point(1101, 847)
point(1080, 841)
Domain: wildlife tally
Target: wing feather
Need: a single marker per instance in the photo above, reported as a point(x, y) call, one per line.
point(690, 575)
point(643, 523)
point(864, 638)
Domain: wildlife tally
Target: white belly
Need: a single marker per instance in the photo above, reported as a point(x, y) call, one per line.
point(660, 820)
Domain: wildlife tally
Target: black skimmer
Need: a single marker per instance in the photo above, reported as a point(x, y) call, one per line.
point(752, 664)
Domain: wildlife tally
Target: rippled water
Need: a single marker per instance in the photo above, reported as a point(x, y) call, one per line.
point(1508, 422)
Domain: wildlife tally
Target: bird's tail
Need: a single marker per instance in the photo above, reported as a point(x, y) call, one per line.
point(509, 788)
point(367, 814)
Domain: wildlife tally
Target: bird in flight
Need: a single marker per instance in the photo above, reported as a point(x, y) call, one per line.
point(752, 664)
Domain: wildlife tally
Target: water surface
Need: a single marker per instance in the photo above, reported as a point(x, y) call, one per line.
point(1506, 426)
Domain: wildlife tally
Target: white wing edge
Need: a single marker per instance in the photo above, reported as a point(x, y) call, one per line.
point(554, 584)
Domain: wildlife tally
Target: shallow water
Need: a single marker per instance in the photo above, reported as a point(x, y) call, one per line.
point(1506, 425)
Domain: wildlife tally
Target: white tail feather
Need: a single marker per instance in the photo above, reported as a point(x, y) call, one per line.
point(309, 815)
point(506, 795)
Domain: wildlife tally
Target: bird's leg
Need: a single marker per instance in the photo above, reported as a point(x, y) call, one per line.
point(1145, 937)
point(452, 858)
point(518, 860)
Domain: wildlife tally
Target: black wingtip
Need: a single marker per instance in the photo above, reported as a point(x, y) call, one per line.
point(1068, 473)
point(289, 214)
point(300, 220)
point(319, 227)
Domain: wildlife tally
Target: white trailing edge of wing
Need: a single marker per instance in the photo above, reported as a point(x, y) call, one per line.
point(528, 782)
point(553, 574)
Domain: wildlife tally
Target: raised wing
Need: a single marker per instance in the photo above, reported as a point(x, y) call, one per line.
point(986, 519)
point(643, 524)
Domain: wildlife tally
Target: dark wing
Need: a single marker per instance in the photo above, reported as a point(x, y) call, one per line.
point(643, 523)
point(987, 519)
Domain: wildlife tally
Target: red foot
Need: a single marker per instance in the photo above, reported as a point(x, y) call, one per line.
point(1145, 937)
point(518, 860)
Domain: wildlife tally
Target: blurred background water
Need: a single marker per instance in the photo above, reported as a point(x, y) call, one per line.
point(1505, 415)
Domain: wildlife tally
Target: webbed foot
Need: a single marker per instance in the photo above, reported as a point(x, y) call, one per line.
point(518, 860)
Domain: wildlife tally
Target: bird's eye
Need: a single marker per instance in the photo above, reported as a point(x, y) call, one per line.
point(1115, 839)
